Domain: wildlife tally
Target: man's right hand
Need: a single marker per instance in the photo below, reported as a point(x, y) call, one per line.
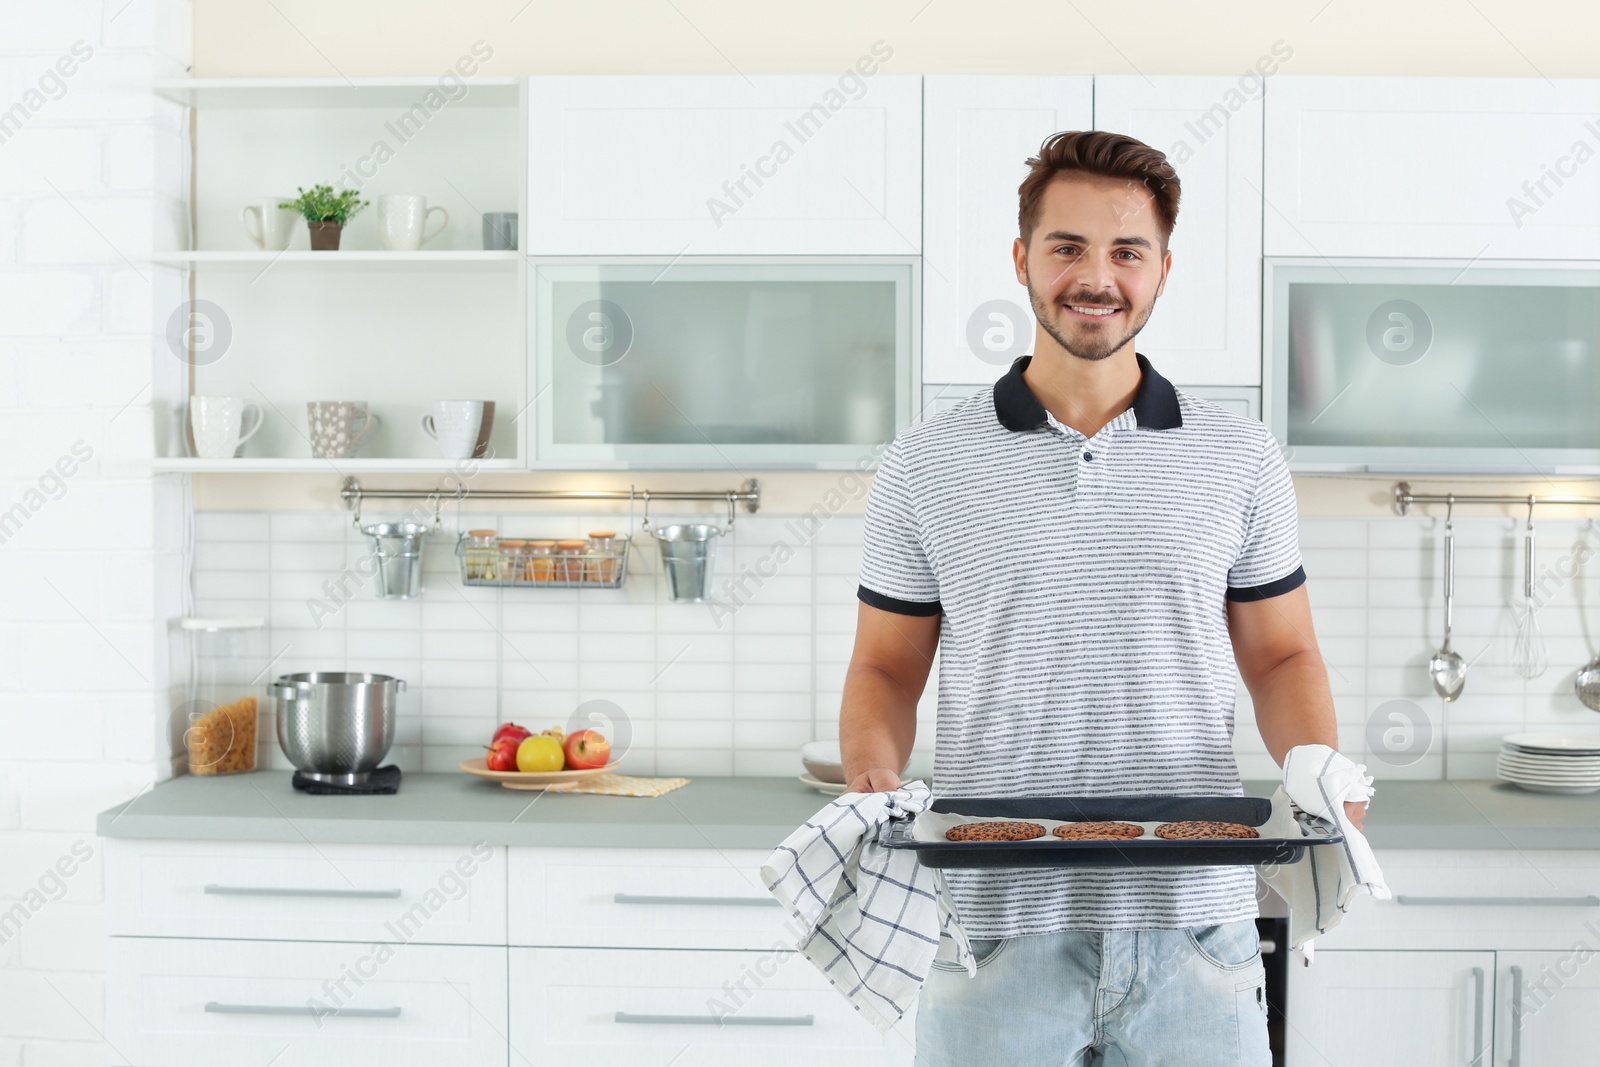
point(876, 780)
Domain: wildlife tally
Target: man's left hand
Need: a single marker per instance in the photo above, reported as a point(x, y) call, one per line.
point(1355, 812)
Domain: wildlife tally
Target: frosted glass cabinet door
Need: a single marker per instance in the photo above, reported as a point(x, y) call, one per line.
point(720, 364)
point(726, 165)
point(1496, 167)
point(1206, 328)
point(1391, 1009)
point(979, 131)
point(1478, 367)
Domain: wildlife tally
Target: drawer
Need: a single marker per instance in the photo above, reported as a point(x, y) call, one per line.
point(176, 1002)
point(1490, 899)
point(301, 892)
point(654, 898)
point(604, 1007)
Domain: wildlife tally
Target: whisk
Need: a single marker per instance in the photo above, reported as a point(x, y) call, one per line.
point(1528, 657)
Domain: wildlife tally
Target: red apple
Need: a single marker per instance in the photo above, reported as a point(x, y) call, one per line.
point(503, 754)
point(587, 749)
point(511, 730)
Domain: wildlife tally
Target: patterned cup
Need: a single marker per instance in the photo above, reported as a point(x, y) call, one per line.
point(338, 427)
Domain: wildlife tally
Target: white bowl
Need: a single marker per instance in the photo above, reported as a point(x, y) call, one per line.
point(823, 761)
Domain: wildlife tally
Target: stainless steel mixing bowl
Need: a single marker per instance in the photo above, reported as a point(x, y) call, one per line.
point(336, 726)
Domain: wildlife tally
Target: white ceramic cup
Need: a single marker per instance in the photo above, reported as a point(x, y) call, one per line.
point(402, 221)
point(269, 226)
point(217, 422)
point(454, 424)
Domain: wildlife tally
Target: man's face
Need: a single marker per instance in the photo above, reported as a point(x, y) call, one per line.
point(1094, 264)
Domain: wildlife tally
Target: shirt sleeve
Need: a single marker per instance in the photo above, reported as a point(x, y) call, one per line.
point(895, 574)
point(1269, 562)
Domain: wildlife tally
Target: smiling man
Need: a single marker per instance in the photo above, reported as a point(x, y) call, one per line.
point(1092, 551)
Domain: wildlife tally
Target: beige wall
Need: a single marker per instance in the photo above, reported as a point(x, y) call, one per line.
point(1512, 38)
point(379, 37)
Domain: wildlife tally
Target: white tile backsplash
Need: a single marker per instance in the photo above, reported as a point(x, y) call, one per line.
point(737, 687)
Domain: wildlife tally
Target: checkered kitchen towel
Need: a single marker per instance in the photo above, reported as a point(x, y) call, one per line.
point(870, 916)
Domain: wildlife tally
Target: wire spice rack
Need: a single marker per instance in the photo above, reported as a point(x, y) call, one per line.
point(508, 564)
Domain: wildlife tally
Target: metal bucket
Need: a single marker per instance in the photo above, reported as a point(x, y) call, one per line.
point(397, 547)
point(687, 552)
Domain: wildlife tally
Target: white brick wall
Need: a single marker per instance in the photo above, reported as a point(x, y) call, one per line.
point(79, 663)
point(740, 698)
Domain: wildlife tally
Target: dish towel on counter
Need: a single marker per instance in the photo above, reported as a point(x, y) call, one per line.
point(620, 785)
point(869, 916)
point(1318, 781)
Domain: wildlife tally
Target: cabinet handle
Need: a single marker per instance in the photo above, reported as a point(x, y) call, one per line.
point(1499, 902)
point(215, 1008)
point(714, 1020)
point(1516, 1017)
point(1477, 1016)
point(653, 898)
point(275, 891)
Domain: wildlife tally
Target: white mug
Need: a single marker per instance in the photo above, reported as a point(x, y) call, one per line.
point(216, 422)
point(454, 424)
point(270, 227)
point(402, 221)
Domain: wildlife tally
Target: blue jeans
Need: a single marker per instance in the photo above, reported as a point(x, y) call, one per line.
point(1122, 998)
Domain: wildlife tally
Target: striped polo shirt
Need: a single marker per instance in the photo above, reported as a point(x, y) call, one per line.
point(1084, 645)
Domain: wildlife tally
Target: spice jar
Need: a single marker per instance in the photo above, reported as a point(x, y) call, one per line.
point(602, 560)
point(481, 553)
point(541, 560)
point(513, 560)
point(569, 561)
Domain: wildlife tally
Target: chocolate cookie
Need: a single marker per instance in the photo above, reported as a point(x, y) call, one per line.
point(1199, 830)
point(995, 831)
point(1098, 831)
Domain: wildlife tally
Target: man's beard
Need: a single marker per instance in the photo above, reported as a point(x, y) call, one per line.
point(1096, 349)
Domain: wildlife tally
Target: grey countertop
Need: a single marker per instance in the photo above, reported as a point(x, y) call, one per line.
point(757, 813)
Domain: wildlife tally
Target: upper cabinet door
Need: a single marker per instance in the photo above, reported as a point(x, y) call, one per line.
point(1502, 168)
point(1206, 327)
point(725, 165)
point(979, 132)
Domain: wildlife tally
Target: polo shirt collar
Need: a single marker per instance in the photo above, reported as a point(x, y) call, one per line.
point(1155, 404)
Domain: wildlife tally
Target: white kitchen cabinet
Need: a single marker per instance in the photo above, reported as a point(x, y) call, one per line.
point(179, 1002)
point(1547, 1004)
point(979, 131)
point(1390, 1009)
point(1457, 167)
point(274, 890)
point(731, 165)
point(605, 1007)
point(672, 898)
point(1206, 329)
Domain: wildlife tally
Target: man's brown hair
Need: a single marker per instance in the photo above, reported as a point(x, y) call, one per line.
point(1099, 154)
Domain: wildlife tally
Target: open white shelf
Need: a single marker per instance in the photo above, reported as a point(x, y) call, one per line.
point(316, 93)
point(459, 258)
point(307, 465)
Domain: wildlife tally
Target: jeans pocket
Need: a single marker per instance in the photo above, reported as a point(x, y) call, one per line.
point(984, 950)
point(1228, 946)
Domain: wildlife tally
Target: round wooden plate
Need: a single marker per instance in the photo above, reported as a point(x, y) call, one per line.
point(532, 779)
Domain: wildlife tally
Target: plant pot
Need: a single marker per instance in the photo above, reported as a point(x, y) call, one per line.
point(324, 236)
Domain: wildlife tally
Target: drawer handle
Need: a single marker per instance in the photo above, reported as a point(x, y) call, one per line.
point(1500, 902)
point(275, 891)
point(1478, 1050)
point(1516, 1017)
point(652, 898)
point(718, 1020)
point(216, 1008)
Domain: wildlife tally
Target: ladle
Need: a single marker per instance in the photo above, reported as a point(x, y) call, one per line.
point(1447, 669)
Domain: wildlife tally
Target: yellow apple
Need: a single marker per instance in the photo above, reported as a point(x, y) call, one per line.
point(540, 753)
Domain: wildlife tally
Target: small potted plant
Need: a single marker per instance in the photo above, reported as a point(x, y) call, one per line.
point(326, 212)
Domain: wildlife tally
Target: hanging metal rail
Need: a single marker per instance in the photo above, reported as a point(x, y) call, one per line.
point(1404, 498)
point(747, 495)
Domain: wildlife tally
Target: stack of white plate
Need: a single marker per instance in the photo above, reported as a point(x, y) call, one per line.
point(1551, 763)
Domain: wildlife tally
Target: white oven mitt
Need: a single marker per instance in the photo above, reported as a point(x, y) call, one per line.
point(1318, 781)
